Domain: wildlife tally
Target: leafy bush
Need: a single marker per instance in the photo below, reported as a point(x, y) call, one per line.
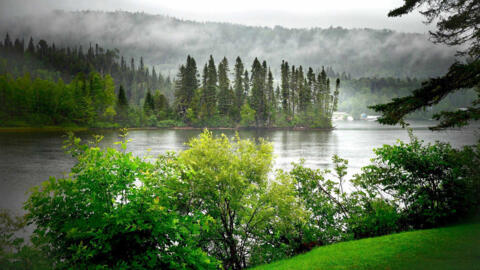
point(114, 212)
point(228, 180)
point(434, 184)
point(373, 217)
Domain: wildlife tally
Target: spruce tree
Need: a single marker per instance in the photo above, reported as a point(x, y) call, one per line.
point(285, 87)
point(181, 103)
point(225, 100)
point(239, 89)
point(258, 93)
point(271, 101)
point(122, 98)
point(210, 93)
point(31, 47)
point(335, 94)
point(149, 104)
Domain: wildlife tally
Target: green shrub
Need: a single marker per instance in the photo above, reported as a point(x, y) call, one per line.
point(434, 184)
point(114, 212)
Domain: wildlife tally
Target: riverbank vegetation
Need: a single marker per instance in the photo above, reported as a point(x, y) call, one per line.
point(219, 203)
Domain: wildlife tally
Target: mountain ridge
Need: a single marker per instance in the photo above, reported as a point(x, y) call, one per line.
point(166, 41)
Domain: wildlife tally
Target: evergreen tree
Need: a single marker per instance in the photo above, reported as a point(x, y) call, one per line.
point(122, 98)
point(210, 92)
point(293, 90)
point(271, 101)
point(181, 103)
point(31, 47)
point(7, 43)
point(149, 104)
point(239, 89)
point(246, 85)
point(285, 87)
point(258, 99)
point(335, 94)
point(225, 99)
point(190, 80)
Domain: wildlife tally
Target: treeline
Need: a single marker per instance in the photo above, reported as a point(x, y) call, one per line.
point(303, 97)
point(46, 85)
point(42, 58)
point(88, 100)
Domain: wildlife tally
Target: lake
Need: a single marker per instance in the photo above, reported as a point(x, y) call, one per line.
point(29, 158)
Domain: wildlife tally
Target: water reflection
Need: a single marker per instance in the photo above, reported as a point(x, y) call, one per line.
point(27, 159)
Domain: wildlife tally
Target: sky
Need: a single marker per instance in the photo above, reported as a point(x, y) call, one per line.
point(291, 13)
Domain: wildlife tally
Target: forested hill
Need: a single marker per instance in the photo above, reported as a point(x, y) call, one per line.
point(165, 42)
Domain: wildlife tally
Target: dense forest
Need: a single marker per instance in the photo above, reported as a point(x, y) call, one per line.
point(303, 99)
point(164, 42)
point(45, 84)
point(85, 93)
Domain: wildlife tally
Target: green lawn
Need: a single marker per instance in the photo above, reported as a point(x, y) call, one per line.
point(456, 247)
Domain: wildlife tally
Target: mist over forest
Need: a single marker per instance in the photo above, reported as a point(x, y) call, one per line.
point(164, 42)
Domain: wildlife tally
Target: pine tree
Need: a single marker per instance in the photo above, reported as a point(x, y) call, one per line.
point(190, 80)
point(293, 90)
point(149, 104)
point(285, 87)
point(122, 101)
point(258, 93)
point(210, 92)
point(225, 100)
point(239, 89)
point(180, 95)
point(335, 94)
point(271, 101)
point(31, 47)
point(246, 85)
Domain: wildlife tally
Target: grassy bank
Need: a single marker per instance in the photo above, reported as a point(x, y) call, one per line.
point(456, 247)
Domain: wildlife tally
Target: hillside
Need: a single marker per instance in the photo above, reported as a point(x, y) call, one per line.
point(165, 42)
point(444, 248)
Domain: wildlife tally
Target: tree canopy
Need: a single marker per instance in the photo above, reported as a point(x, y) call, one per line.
point(458, 23)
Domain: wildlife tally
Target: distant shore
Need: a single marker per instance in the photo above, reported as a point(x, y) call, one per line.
point(77, 129)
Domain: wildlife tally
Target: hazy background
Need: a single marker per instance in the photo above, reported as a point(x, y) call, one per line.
point(354, 37)
point(299, 13)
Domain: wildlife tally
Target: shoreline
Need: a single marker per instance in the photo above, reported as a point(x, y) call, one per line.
point(78, 129)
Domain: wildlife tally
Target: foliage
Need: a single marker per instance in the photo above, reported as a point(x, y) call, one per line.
point(247, 116)
point(218, 203)
point(433, 184)
point(228, 181)
point(458, 24)
point(114, 212)
point(50, 62)
point(325, 203)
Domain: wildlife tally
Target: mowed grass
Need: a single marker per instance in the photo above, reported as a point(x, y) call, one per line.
point(456, 247)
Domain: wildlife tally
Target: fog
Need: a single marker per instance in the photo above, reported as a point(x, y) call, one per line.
point(298, 14)
point(165, 41)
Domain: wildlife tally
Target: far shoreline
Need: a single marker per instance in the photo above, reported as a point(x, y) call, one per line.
point(80, 129)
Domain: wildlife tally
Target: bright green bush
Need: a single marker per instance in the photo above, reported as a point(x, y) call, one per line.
point(113, 212)
point(434, 184)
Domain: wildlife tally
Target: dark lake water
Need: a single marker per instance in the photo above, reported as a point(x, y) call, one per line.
point(27, 159)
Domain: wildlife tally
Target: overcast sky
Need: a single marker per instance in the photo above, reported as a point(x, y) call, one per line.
point(291, 13)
